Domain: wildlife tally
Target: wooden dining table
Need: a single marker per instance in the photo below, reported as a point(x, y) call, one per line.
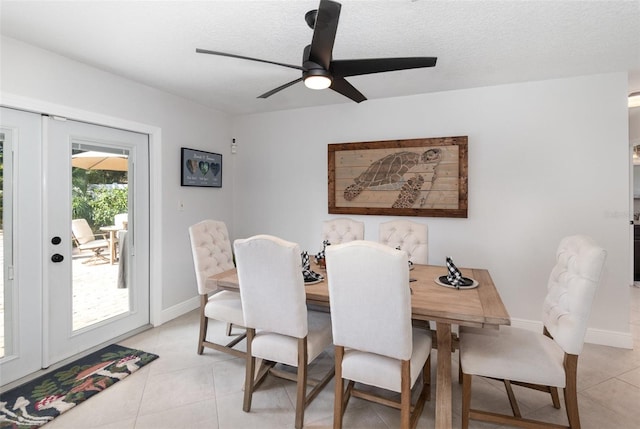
point(112, 230)
point(446, 306)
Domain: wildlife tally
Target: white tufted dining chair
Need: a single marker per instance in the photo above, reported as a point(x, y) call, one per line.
point(212, 254)
point(375, 343)
point(280, 329)
point(342, 230)
point(543, 361)
point(412, 237)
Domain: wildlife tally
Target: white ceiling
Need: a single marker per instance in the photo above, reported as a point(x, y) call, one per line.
point(478, 43)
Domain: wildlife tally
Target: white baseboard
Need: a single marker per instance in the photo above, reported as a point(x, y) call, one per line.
point(622, 340)
point(179, 309)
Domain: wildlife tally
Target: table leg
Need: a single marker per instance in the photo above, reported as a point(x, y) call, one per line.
point(443, 377)
point(112, 247)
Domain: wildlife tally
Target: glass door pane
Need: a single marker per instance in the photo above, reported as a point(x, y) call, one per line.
point(100, 200)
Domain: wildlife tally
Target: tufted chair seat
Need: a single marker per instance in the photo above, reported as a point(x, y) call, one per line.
point(211, 249)
point(544, 361)
point(409, 236)
point(342, 230)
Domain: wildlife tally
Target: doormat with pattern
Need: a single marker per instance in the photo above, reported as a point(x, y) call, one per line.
point(39, 401)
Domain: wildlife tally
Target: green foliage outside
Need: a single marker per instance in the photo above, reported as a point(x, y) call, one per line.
point(98, 205)
point(106, 204)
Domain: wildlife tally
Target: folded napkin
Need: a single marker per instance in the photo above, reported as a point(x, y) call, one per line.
point(309, 276)
point(454, 277)
point(320, 254)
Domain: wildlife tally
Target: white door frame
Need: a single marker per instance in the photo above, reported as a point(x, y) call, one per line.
point(155, 178)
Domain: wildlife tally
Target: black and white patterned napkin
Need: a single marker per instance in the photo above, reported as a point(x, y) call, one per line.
point(309, 275)
point(320, 254)
point(454, 277)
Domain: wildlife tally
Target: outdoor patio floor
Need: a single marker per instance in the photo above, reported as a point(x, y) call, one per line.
point(96, 295)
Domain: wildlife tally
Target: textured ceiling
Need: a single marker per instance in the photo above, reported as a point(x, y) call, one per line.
point(478, 43)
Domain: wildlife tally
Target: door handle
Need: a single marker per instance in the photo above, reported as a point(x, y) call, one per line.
point(56, 257)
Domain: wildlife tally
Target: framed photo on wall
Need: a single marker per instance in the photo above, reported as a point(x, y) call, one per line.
point(200, 168)
point(416, 177)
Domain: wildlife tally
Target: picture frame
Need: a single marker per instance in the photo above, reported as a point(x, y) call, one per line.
point(200, 168)
point(415, 177)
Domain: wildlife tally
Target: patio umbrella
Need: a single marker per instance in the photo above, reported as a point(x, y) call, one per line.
point(93, 160)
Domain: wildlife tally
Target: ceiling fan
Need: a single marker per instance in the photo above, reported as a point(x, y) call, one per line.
point(320, 70)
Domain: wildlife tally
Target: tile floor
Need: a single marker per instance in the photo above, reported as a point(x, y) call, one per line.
point(185, 390)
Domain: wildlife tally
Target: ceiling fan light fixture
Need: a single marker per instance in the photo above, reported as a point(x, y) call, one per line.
point(317, 82)
point(634, 99)
point(317, 79)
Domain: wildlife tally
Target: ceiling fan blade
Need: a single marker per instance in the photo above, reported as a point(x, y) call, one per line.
point(280, 88)
point(324, 33)
point(224, 54)
point(343, 87)
point(346, 68)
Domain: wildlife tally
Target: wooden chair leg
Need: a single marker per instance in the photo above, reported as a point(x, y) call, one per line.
point(204, 323)
point(302, 382)
point(405, 395)
point(552, 390)
point(426, 377)
point(512, 398)
point(425, 394)
point(571, 390)
point(555, 398)
point(248, 378)
point(466, 399)
point(229, 327)
point(338, 409)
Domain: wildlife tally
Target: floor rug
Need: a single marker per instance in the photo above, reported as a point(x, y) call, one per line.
point(39, 401)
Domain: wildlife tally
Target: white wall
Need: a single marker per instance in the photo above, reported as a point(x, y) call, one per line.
point(546, 160)
point(30, 72)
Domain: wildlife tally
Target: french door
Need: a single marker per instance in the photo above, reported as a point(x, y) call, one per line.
point(89, 287)
point(21, 295)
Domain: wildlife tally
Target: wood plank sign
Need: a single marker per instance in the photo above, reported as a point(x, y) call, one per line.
point(416, 177)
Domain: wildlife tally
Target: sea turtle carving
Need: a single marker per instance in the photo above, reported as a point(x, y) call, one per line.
point(409, 193)
point(388, 172)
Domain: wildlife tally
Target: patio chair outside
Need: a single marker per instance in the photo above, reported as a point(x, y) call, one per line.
point(85, 239)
